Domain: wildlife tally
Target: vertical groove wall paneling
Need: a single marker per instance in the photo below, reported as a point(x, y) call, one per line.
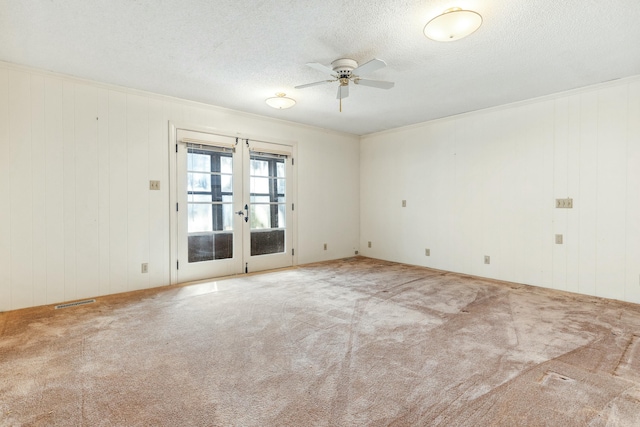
point(494, 197)
point(523, 175)
point(104, 181)
point(469, 174)
point(632, 288)
point(21, 201)
point(87, 191)
point(54, 194)
point(5, 194)
point(158, 161)
point(572, 232)
point(440, 200)
point(532, 199)
point(342, 156)
point(39, 165)
point(611, 188)
point(587, 201)
point(79, 218)
point(560, 190)
point(69, 185)
point(584, 145)
point(138, 189)
point(118, 208)
point(544, 131)
point(46, 228)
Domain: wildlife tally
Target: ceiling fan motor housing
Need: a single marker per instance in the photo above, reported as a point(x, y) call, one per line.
point(343, 67)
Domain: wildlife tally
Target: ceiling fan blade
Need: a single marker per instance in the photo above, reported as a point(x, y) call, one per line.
point(314, 84)
point(369, 67)
point(380, 84)
point(343, 92)
point(320, 67)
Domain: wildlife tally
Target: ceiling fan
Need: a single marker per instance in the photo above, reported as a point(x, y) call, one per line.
point(346, 70)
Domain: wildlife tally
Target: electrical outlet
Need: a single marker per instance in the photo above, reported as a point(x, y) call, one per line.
point(558, 239)
point(564, 203)
point(369, 244)
point(404, 203)
point(154, 185)
point(145, 267)
point(356, 252)
point(487, 259)
point(427, 252)
point(325, 246)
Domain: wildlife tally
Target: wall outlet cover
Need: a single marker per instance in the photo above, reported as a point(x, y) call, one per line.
point(564, 203)
point(487, 259)
point(427, 252)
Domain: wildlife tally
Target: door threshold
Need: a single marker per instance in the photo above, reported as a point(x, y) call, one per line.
point(234, 276)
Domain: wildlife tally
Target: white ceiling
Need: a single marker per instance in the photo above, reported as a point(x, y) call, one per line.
point(236, 53)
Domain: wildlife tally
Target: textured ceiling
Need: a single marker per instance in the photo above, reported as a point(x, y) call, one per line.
point(236, 53)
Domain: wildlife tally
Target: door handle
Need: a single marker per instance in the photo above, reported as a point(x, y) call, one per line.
point(241, 213)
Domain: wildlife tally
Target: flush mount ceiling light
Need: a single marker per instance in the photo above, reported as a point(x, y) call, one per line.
point(453, 24)
point(280, 101)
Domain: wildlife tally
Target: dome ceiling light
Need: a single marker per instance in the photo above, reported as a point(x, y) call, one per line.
point(280, 101)
point(452, 25)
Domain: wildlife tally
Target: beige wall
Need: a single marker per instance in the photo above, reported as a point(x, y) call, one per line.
point(485, 183)
point(77, 218)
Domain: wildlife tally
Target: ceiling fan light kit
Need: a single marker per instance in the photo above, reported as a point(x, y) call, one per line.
point(280, 101)
point(453, 24)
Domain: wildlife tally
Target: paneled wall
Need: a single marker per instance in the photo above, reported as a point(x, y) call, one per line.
point(485, 183)
point(77, 218)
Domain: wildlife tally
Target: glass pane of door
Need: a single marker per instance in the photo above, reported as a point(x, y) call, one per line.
point(267, 206)
point(209, 204)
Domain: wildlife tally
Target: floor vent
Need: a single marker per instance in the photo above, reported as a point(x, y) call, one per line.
point(73, 304)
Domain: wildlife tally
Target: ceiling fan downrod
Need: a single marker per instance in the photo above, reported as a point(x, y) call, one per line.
point(344, 81)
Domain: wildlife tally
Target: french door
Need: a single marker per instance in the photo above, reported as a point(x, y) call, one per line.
point(234, 205)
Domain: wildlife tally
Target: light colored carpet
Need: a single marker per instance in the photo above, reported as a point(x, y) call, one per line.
point(343, 343)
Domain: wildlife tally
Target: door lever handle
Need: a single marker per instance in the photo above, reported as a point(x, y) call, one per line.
point(241, 213)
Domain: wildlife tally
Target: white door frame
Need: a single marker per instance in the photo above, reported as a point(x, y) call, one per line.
point(173, 195)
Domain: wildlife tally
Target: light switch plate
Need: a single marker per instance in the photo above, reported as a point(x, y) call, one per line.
point(154, 185)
